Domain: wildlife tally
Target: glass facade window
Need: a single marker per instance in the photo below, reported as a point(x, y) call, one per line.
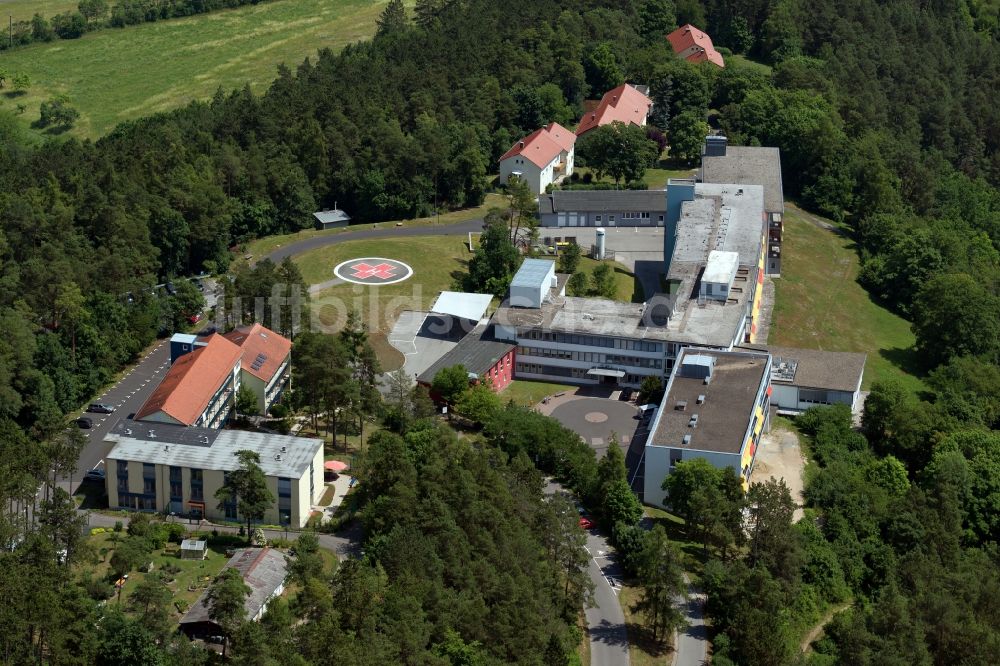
point(197, 486)
point(176, 487)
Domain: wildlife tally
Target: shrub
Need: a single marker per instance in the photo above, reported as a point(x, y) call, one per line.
point(118, 526)
point(97, 530)
point(175, 532)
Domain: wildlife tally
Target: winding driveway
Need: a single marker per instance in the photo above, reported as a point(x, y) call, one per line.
point(307, 244)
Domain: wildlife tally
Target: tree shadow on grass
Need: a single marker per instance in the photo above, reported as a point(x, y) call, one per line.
point(14, 94)
point(641, 637)
point(906, 359)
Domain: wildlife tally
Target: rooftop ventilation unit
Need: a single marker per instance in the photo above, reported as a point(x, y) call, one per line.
point(128, 431)
point(166, 447)
point(681, 405)
point(686, 440)
point(152, 434)
point(283, 449)
point(701, 399)
point(708, 380)
point(278, 457)
point(693, 423)
point(204, 439)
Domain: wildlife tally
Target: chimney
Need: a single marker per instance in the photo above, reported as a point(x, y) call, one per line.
point(614, 98)
point(522, 144)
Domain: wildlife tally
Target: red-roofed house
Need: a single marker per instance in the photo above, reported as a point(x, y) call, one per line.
point(694, 45)
point(266, 362)
point(200, 387)
point(540, 158)
point(624, 104)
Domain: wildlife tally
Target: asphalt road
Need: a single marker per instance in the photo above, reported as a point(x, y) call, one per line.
point(363, 233)
point(692, 641)
point(605, 620)
point(126, 396)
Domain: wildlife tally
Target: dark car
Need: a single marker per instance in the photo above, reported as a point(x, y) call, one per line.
point(171, 290)
point(85, 423)
point(94, 475)
point(98, 408)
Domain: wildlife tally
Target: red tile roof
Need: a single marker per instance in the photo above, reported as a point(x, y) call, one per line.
point(623, 104)
point(192, 381)
point(543, 145)
point(261, 343)
point(694, 45)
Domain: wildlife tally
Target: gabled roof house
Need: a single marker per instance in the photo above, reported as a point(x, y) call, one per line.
point(694, 45)
point(626, 104)
point(540, 158)
point(266, 362)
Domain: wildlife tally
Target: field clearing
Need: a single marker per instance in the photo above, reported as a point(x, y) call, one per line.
point(820, 305)
point(118, 74)
point(23, 10)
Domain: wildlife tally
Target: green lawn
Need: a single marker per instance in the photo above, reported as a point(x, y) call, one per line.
point(820, 305)
point(118, 74)
point(261, 247)
point(435, 260)
point(655, 179)
point(629, 289)
point(23, 10)
point(530, 393)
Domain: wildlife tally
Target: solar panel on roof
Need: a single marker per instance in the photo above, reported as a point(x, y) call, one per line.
point(261, 358)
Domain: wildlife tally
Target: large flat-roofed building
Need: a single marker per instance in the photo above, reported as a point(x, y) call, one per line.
point(707, 218)
point(804, 378)
point(178, 469)
point(715, 407)
point(750, 165)
point(602, 208)
point(200, 386)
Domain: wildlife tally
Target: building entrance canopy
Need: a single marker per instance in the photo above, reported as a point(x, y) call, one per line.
point(606, 372)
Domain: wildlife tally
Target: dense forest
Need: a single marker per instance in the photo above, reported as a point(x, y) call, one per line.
point(885, 116)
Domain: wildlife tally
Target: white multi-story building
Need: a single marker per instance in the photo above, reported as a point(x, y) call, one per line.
point(541, 158)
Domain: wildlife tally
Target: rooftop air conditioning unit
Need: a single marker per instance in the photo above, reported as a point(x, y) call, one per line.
point(152, 434)
point(283, 449)
point(701, 399)
point(278, 457)
point(693, 423)
point(686, 440)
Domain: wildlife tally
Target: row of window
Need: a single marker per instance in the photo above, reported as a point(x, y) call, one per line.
point(591, 357)
point(574, 373)
point(592, 340)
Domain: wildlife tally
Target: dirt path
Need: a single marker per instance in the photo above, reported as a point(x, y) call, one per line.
point(817, 630)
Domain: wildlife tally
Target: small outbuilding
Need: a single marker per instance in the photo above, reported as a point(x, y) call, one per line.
point(331, 219)
point(194, 549)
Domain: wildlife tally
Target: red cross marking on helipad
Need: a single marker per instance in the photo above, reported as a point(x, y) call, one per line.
point(383, 270)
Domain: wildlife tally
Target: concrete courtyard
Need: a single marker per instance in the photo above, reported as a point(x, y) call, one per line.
point(595, 418)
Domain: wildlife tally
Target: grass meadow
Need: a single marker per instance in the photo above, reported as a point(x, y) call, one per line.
point(23, 10)
point(820, 305)
point(118, 74)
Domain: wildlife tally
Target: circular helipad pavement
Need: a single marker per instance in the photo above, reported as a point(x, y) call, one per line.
point(372, 271)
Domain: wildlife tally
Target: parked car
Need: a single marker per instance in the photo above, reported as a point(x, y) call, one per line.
point(85, 423)
point(171, 290)
point(98, 408)
point(194, 319)
point(96, 474)
point(586, 523)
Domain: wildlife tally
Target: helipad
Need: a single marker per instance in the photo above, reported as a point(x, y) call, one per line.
point(372, 271)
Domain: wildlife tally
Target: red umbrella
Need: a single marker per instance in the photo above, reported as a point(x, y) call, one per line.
point(335, 465)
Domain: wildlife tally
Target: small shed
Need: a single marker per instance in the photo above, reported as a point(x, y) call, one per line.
point(331, 219)
point(193, 549)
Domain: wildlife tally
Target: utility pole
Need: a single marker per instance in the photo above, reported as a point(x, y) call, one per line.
point(10, 29)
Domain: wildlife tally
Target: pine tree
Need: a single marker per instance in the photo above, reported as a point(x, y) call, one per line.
point(392, 19)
